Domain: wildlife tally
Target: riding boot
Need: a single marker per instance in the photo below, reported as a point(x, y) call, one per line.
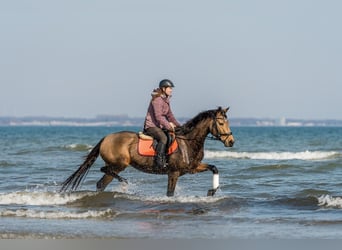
point(160, 161)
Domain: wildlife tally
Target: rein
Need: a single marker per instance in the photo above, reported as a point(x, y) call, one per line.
point(209, 137)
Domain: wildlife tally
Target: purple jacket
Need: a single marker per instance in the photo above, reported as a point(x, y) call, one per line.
point(159, 113)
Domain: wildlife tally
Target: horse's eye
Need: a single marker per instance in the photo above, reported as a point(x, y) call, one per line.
point(220, 121)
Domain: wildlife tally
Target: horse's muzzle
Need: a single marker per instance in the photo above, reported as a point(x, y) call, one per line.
point(229, 141)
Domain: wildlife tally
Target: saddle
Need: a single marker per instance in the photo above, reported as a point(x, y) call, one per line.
point(147, 145)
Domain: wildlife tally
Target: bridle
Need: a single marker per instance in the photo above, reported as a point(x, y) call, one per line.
point(218, 135)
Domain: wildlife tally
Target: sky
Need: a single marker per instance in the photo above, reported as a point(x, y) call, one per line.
point(82, 58)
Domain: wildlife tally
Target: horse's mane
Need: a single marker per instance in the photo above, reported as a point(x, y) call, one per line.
point(191, 124)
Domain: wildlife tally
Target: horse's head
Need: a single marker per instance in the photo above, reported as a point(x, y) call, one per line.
point(220, 127)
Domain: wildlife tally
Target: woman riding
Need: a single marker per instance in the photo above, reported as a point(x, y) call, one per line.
point(159, 117)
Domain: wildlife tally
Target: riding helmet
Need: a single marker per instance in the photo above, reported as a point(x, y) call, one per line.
point(166, 83)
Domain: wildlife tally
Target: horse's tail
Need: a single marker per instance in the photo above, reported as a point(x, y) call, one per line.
point(76, 178)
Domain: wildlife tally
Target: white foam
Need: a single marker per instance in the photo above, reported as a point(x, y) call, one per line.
point(329, 201)
point(75, 146)
point(29, 213)
point(177, 199)
point(304, 155)
point(40, 198)
point(192, 199)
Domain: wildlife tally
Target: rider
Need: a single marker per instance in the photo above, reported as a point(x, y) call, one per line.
point(159, 117)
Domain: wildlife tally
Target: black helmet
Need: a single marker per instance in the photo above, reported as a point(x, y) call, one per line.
point(166, 83)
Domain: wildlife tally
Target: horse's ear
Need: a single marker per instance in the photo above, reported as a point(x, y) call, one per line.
point(226, 109)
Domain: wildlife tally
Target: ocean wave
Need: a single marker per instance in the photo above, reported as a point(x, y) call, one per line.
point(87, 197)
point(6, 164)
point(41, 198)
point(309, 199)
point(304, 155)
point(78, 147)
point(309, 202)
point(30, 213)
point(329, 201)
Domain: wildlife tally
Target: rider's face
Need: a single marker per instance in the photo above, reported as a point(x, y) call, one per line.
point(168, 91)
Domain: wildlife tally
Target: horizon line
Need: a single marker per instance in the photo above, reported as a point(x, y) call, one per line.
point(101, 116)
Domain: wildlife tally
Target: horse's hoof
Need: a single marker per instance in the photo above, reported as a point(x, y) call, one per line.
point(99, 186)
point(170, 194)
point(121, 179)
point(211, 192)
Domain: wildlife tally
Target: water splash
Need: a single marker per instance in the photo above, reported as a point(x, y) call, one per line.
point(329, 201)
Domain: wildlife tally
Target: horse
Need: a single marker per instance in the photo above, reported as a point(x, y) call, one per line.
point(119, 150)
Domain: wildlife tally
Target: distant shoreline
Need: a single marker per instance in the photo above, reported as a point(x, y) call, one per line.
point(124, 120)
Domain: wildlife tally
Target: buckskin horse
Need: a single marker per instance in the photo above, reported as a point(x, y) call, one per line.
point(120, 150)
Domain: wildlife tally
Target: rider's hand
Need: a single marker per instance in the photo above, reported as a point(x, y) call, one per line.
point(173, 126)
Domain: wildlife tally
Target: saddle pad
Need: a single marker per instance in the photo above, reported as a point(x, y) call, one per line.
point(145, 147)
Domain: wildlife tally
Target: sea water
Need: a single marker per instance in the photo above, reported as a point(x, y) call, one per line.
point(275, 183)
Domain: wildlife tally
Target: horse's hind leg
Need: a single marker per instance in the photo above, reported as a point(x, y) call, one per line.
point(103, 182)
point(109, 175)
point(111, 172)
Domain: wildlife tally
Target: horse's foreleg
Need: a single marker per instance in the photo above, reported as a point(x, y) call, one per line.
point(171, 183)
point(205, 167)
point(216, 182)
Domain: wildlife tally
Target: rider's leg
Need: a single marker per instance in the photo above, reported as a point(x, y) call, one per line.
point(159, 135)
point(160, 157)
